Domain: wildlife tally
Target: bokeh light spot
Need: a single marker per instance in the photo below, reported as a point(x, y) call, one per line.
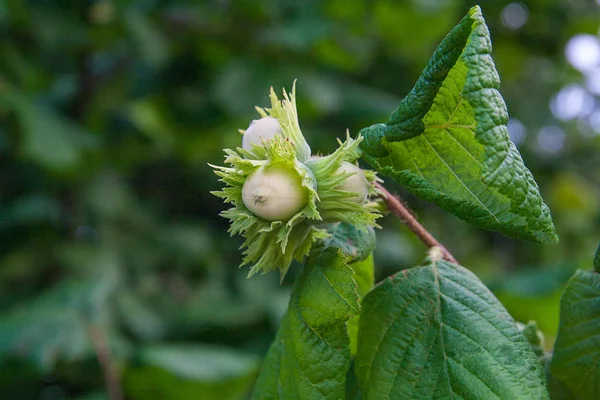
point(551, 139)
point(517, 131)
point(571, 102)
point(583, 52)
point(592, 81)
point(515, 15)
point(594, 120)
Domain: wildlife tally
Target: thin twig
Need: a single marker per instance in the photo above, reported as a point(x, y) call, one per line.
point(102, 349)
point(398, 209)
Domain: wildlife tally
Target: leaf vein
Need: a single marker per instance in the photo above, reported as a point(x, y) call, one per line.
point(476, 377)
point(458, 178)
point(493, 358)
point(339, 294)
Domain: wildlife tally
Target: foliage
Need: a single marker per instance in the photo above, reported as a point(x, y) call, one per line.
point(435, 331)
point(310, 355)
point(577, 347)
point(110, 111)
point(55, 325)
point(448, 142)
point(182, 371)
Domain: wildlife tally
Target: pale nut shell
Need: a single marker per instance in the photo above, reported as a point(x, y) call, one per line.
point(356, 183)
point(260, 131)
point(274, 193)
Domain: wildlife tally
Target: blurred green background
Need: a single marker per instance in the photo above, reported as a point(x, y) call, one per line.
point(112, 251)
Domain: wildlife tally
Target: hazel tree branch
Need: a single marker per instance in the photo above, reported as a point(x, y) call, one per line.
point(398, 209)
point(109, 370)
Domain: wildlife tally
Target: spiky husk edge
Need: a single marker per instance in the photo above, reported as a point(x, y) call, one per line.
point(269, 245)
point(286, 113)
point(273, 245)
point(337, 205)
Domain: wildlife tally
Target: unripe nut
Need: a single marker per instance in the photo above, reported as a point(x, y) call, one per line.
point(274, 193)
point(259, 131)
point(356, 183)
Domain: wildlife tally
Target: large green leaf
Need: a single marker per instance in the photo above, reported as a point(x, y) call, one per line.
point(310, 356)
point(576, 360)
point(186, 371)
point(448, 143)
point(436, 332)
point(558, 391)
point(556, 388)
point(358, 245)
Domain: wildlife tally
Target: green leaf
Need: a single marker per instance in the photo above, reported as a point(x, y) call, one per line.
point(152, 46)
point(576, 360)
point(310, 356)
point(358, 245)
point(139, 317)
point(354, 242)
point(364, 275)
point(436, 331)
point(365, 279)
point(49, 139)
point(55, 326)
point(557, 389)
point(448, 143)
point(352, 388)
point(182, 371)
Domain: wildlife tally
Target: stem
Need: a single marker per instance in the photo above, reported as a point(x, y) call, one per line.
point(398, 209)
point(102, 349)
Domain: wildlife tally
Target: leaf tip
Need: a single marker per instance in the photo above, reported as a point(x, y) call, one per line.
point(549, 237)
point(475, 12)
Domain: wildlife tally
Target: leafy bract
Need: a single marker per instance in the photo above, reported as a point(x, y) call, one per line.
point(189, 371)
point(448, 143)
point(436, 332)
point(576, 360)
point(310, 355)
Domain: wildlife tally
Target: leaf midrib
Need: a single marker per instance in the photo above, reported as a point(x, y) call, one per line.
point(460, 180)
point(446, 127)
point(438, 308)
